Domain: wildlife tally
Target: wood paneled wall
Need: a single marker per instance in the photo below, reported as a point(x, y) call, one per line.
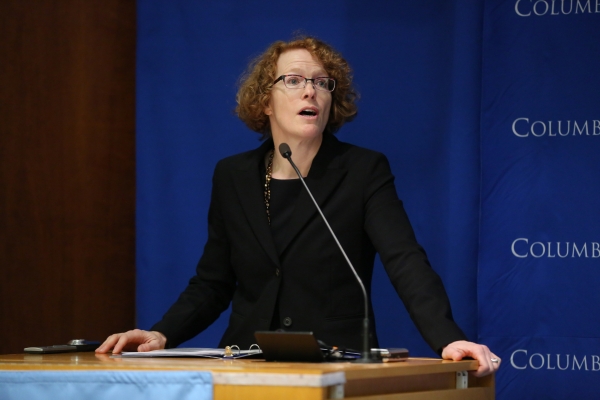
point(67, 170)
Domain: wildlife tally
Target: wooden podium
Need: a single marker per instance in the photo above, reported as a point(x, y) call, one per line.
point(417, 378)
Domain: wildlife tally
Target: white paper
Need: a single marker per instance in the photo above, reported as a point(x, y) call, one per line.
point(190, 352)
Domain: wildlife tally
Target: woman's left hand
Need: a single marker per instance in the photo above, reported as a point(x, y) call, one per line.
point(488, 361)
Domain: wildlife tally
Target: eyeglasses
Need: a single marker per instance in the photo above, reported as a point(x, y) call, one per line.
point(299, 82)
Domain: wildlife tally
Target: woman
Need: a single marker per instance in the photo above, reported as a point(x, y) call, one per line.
point(268, 251)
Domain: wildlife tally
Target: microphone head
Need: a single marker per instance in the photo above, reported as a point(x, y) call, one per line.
point(285, 150)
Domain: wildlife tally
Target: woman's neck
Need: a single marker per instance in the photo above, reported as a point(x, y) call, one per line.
point(303, 153)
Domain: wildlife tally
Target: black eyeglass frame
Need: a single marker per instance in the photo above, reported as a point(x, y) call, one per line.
point(282, 77)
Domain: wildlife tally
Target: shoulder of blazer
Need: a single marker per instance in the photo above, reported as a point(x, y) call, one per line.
point(246, 160)
point(337, 154)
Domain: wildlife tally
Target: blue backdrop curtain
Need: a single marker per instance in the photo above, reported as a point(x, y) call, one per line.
point(539, 257)
point(442, 84)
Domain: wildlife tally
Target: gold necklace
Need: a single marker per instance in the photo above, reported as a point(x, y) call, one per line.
point(268, 185)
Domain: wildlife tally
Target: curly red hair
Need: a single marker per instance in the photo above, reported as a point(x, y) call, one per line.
point(254, 90)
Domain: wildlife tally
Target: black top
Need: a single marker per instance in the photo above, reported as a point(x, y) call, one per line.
point(284, 193)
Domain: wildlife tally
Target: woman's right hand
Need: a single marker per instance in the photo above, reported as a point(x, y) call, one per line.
point(136, 339)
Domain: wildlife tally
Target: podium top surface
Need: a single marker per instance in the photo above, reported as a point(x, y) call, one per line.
point(258, 379)
point(91, 361)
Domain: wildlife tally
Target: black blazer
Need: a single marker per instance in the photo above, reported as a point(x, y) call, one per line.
point(311, 283)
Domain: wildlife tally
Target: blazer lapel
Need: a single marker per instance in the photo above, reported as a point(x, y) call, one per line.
point(250, 191)
point(323, 178)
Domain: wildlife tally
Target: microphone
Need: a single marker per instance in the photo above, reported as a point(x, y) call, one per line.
point(366, 356)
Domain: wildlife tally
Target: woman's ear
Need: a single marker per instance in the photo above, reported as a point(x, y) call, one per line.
point(268, 110)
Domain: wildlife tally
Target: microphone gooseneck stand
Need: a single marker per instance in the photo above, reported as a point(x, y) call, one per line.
point(366, 355)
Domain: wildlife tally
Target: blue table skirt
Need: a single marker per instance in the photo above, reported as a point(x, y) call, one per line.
point(105, 385)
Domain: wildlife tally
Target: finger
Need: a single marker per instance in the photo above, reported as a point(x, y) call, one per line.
point(496, 364)
point(489, 364)
point(458, 355)
point(149, 346)
point(485, 360)
point(479, 353)
point(488, 358)
point(108, 343)
point(453, 353)
point(123, 340)
point(144, 347)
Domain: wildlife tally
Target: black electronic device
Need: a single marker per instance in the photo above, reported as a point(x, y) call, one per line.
point(289, 346)
point(72, 346)
point(300, 347)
